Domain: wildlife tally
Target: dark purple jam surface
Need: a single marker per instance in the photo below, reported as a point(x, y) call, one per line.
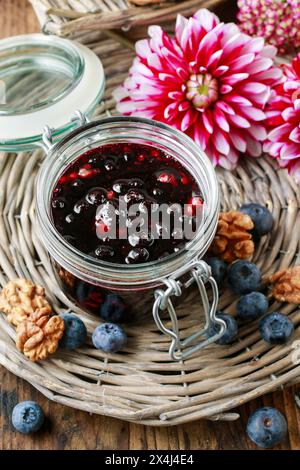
point(140, 174)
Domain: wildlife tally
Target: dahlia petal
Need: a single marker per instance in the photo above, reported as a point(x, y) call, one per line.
point(237, 140)
point(254, 148)
point(295, 135)
point(257, 44)
point(241, 62)
point(253, 87)
point(169, 110)
point(273, 148)
point(239, 121)
point(201, 136)
point(289, 114)
point(297, 103)
point(176, 95)
point(269, 77)
point(238, 99)
point(221, 120)
point(224, 89)
point(259, 65)
point(253, 113)
point(184, 105)
point(207, 121)
point(143, 69)
point(221, 142)
point(180, 28)
point(223, 106)
point(233, 43)
point(226, 163)
point(233, 157)
point(126, 107)
point(173, 60)
point(291, 85)
point(290, 151)
point(260, 99)
point(206, 47)
point(280, 133)
point(142, 48)
point(269, 51)
point(182, 73)
point(258, 132)
point(154, 61)
point(213, 60)
point(188, 119)
point(221, 70)
point(120, 93)
point(206, 18)
point(235, 78)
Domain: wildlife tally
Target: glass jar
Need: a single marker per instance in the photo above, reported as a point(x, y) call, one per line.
point(142, 287)
point(44, 81)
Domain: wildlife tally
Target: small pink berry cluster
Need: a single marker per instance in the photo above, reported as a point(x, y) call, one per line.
point(278, 21)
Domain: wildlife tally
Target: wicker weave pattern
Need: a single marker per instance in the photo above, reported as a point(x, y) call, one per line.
point(141, 384)
point(64, 17)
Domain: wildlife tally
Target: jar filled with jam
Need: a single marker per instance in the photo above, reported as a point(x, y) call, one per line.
point(129, 206)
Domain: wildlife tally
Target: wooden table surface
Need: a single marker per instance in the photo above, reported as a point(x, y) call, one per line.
point(66, 428)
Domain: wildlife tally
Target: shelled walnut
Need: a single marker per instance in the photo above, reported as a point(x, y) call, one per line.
point(286, 285)
point(233, 239)
point(38, 336)
point(20, 298)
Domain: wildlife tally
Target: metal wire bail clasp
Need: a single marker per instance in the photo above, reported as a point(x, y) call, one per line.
point(199, 273)
point(48, 134)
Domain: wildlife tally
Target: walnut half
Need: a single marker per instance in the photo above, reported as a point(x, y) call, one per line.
point(233, 240)
point(20, 298)
point(38, 335)
point(286, 285)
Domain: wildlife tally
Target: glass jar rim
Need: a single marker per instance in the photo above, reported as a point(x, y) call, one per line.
point(74, 71)
point(121, 275)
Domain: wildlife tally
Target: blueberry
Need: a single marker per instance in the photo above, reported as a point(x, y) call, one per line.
point(113, 309)
point(75, 333)
point(218, 269)
point(109, 337)
point(244, 277)
point(261, 217)
point(27, 417)
point(276, 328)
point(231, 331)
point(266, 427)
point(252, 306)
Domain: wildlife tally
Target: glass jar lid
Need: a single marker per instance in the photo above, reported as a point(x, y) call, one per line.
point(43, 81)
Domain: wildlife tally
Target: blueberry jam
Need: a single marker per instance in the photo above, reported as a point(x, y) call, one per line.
point(140, 174)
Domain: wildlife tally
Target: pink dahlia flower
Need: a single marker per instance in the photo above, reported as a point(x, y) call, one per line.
point(278, 21)
point(283, 113)
point(210, 81)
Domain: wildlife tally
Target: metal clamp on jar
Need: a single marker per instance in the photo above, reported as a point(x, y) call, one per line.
point(55, 78)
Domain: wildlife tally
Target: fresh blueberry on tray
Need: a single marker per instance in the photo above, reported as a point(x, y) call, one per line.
point(266, 427)
point(113, 309)
point(252, 306)
point(75, 333)
point(27, 417)
point(109, 337)
point(261, 217)
point(276, 328)
point(244, 277)
point(218, 269)
point(231, 331)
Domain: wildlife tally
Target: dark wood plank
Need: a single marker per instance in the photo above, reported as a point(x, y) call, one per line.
point(66, 428)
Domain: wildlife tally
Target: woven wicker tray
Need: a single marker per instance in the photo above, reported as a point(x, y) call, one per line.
point(141, 384)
